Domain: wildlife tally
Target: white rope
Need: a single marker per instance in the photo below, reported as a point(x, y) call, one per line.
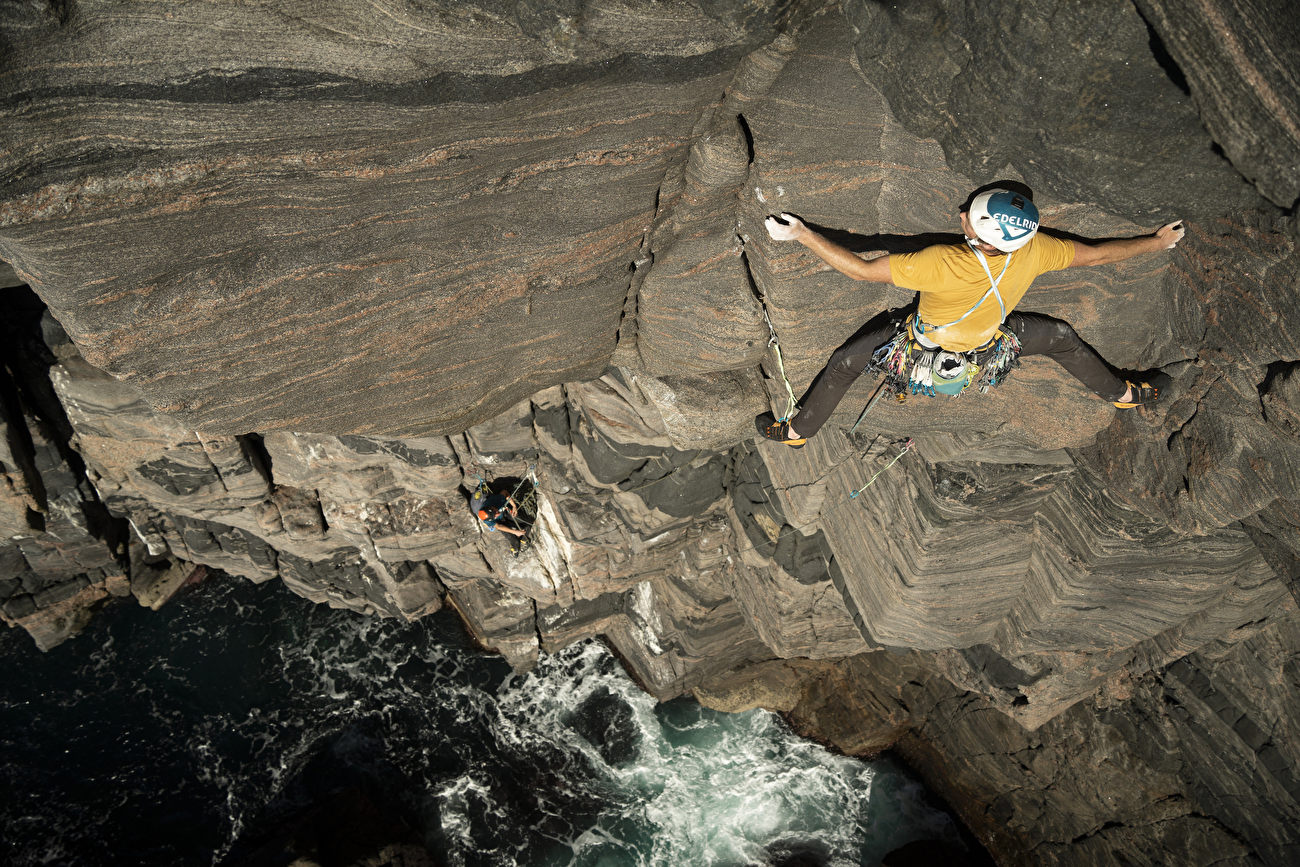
point(993, 290)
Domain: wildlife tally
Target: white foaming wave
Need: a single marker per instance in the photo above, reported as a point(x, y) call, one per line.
point(727, 805)
point(588, 843)
point(345, 653)
point(49, 838)
point(457, 807)
point(102, 660)
point(540, 703)
point(717, 788)
point(247, 789)
point(669, 777)
point(689, 787)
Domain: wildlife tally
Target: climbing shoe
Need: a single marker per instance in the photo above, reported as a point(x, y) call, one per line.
point(1146, 393)
point(779, 431)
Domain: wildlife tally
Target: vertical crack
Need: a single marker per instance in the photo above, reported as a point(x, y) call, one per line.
point(537, 626)
point(749, 136)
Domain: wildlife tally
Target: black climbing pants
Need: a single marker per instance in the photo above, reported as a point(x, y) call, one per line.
point(1038, 335)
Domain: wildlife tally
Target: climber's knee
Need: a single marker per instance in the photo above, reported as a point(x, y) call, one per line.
point(840, 362)
point(1062, 330)
point(1044, 334)
point(843, 365)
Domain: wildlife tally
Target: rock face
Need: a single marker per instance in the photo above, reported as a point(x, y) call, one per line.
point(1194, 764)
point(481, 193)
point(1081, 98)
point(307, 285)
point(1239, 61)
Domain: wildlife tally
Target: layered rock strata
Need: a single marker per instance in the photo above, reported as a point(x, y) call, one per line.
point(1195, 764)
point(308, 285)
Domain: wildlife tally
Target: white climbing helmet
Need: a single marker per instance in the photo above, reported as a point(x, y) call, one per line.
point(1004, 219)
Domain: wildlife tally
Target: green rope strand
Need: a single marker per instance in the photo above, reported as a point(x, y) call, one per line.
point(908, 445)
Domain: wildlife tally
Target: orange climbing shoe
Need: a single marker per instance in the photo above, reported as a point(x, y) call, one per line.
point(779, 431)
point(1145, 394)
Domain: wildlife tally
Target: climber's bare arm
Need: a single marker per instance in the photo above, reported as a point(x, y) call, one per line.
point(1106, 252)
point(791, 228)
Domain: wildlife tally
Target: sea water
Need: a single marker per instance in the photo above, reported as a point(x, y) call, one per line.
point(218, 728)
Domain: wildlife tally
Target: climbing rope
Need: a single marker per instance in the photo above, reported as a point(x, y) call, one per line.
point(774, 343)
point(852, 496)
point(528, 504)
point(528, 477)
point(671, 473)
point(906, 447)
point(849, 499)
point(879, 393)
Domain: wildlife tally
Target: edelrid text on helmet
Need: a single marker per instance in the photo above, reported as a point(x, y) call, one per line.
point(1004, 219)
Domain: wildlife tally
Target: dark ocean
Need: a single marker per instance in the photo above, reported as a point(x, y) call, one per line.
point(240, 720)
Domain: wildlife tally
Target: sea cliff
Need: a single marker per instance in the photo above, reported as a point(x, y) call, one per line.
point(298, 277)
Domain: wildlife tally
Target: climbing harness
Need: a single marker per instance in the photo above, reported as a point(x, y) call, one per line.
point(909, 367)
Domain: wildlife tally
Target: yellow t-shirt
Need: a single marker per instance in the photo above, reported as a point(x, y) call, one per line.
point(951, 279)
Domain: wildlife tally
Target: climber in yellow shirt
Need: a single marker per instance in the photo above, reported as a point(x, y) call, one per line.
point(967, 293)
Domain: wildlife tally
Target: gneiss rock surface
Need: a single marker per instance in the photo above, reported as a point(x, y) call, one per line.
point(64, 554)
point(1081, 98)
point(447, 192)
point(1196, 764)
point(317, 282)
point(1239, 60)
